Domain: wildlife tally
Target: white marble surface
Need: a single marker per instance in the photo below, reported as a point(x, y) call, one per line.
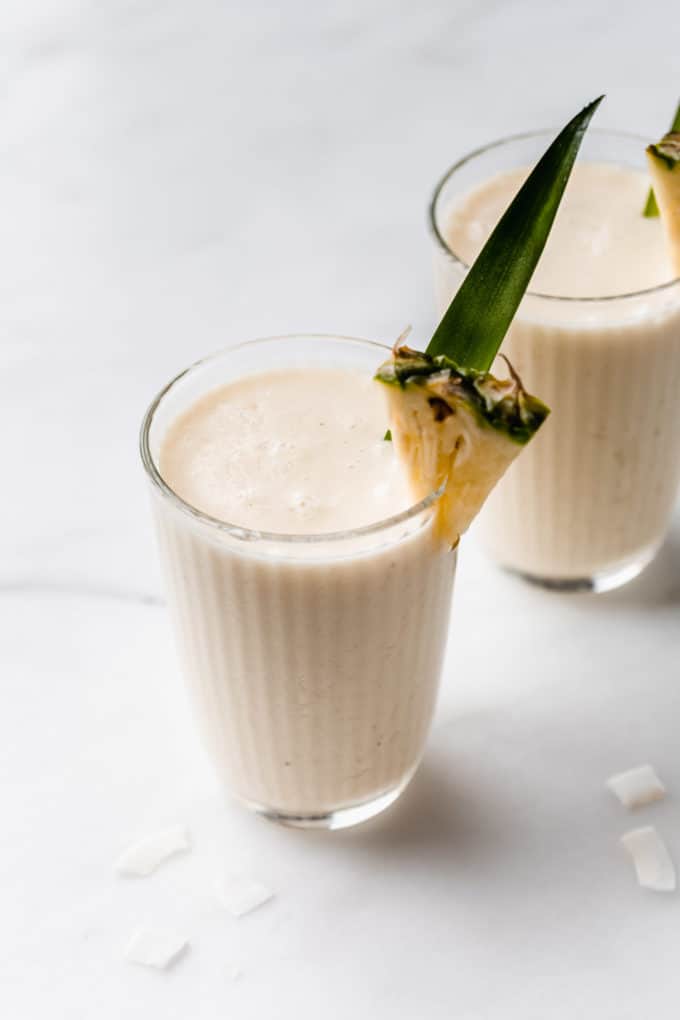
point(174, 175)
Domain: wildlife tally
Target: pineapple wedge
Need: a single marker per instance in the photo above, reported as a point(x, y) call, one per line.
point(664, 166)
point(455, 428)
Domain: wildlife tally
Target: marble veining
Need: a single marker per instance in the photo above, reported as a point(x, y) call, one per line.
point(58, 588)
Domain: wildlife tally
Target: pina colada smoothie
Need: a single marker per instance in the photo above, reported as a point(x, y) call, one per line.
point(312, 621)
point(600, 244)
point(589, 502)
point(309, 550)
point(297, 452)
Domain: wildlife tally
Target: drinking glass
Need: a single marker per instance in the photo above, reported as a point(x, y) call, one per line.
point(312, 661)
point(588, 503)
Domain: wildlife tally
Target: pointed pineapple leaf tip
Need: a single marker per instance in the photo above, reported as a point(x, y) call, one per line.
point(403, 336)
point(478, 318)
point(675, 126)
point(651, 208)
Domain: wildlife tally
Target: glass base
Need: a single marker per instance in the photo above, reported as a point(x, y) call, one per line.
point(342, 818)
point(603, 580)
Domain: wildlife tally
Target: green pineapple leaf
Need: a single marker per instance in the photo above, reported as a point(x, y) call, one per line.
point(478, 318)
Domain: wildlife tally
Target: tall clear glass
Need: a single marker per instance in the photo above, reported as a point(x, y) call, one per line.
point(587, 504)
point(312, 661)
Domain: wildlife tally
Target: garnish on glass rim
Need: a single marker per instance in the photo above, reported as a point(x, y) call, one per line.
point(651, 208)
point(664, 166)
point(454, 425)
point(477, 319)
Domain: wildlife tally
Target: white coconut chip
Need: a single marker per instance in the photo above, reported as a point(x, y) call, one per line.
point(241, 896)
point(144, 857)
point(154, 947)
point(653, 864)
point(637, 787)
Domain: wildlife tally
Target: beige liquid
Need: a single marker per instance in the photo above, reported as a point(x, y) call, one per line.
point(594, 490)
point(297, 452)
point(313, 668)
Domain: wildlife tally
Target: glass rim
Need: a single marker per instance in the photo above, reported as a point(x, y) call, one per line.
point(523, 136)
point(254, 534)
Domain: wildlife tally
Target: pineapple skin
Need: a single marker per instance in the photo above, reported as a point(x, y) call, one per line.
point(664, 166)
point(456, 431)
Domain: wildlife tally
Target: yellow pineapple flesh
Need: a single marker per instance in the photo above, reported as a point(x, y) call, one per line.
point(455, 430)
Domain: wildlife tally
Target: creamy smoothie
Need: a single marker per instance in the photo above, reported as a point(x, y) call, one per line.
point(293, 452)
point(310, 598)
point(589, 501)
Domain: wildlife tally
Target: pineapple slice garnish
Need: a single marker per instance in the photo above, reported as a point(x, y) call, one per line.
point(457, 429)
point(664, 166)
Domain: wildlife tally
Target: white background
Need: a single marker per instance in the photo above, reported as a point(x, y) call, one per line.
point(175, 176)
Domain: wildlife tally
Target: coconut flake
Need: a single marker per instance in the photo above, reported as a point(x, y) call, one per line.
point(154, 947)
point(637, 787)
point(144, 857)
point(241, 896)
point(653, 864)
